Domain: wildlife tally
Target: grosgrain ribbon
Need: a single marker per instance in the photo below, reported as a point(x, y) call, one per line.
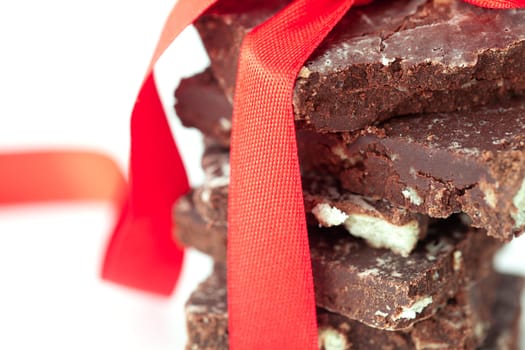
point(269, 269)
point(498, 4)
point(269, 281)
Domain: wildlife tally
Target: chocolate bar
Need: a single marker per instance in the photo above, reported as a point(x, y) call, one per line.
point(387, 59)
point(381, 224)
point(398, 291)
point(435, 164)
point(486, 314)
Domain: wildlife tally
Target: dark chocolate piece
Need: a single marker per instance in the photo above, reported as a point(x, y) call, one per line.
point(207, 314)
point(381, 224)
point(462, 324)
point(200, 103)
point(387, 59)
point(435, 164)
point(211, 198)
point(193, 230)
point(398, 291)
point(222, 38)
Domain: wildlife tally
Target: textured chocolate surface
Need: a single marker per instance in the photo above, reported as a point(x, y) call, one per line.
point(222, 30)
point(389, 58)
point(462, 324)
point(380, 223)
point(398, 291)
point(200, 103)
point(193, 230)
point(211, 198)
point(435, 164)
point(207, 314)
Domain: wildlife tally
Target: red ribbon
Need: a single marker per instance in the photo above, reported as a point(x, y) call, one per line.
point(269, 280)
point(142, 253)
point(269, 270)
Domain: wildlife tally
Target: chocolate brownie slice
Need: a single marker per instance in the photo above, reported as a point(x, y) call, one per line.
point(398, 291)
point(435, 164)
point(490, 307)
point(381, 224)
point(386, 59)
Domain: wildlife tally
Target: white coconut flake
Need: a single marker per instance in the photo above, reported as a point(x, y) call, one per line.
point(331, 339)
point(340, 152)
point(412, 195)
point(410, 312)
point(225, 124)
point(380, 233)
point(369, 272)
point(458, 260)
point(386, 61)
point(490, 197)
point(329, 216)
point(205, 195)
point(381, 313)
point(519, 204)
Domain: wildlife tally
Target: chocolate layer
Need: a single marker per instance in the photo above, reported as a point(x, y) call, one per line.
point(398, 291)
point(435, 164)
point(386, 59)
point(381, 224)
point(463, 323)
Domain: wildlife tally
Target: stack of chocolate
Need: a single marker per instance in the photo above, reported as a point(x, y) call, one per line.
point(410, 122)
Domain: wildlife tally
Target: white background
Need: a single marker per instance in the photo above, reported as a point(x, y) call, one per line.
point(69, 73)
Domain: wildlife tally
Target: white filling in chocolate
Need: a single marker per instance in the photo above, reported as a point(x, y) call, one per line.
point(340, 152)
point(330, 339)
point(385, 61)
point(519, 204)
point(412, 195)
point(205, 195)
point(490, 197)
point(381, 313)
point(369, 272)
point(225, 124)
point(410, 312)
point(382, 234)
point(458, 260)
point(378, 232)
point(329, 216)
